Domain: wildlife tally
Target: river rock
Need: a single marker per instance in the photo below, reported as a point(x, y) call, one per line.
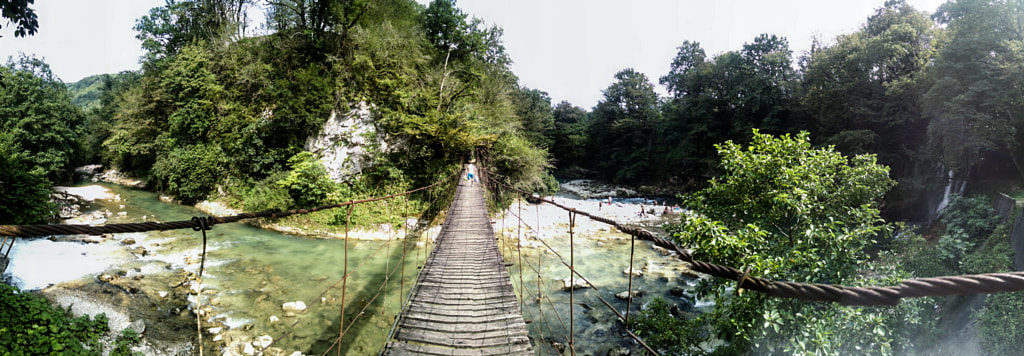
point(162, 294)
point(292, 308)
point(625, 295)
point(618, 351)
point(128, 241)
point(578, 283)
point(139, 326)
point(247, 349)
point(558, 346)
point(663, 251)
point(106, 278)
point(263, 342)
point(677, 291)
point(274, 319)
point(274, 351)
point(91, 239)
point(637, 272)
point(141, 251)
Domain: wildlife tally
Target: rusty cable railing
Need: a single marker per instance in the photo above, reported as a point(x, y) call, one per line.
point(572, 282)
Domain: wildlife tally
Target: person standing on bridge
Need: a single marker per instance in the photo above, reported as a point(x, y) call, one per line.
point(471, 173)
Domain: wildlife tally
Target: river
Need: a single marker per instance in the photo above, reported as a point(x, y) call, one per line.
point(251, 273)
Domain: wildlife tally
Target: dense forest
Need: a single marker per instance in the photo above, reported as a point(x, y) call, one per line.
point(791, 163)
point(214, 111)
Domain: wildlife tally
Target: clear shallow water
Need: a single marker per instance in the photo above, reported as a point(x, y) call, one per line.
point(602, 257)
point(251, 272)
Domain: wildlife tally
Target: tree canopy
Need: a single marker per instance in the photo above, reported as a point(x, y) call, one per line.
point(784, 210)
point(24, 17)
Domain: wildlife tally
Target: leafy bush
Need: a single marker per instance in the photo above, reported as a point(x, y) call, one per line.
point(30, 326)
point(124, 342)
point(1000, 325)
point(658, 326)
point(190, 173)
point(788, 211)
point(995, 255)
point(974, 216)
point(307, 182)
point(267, 195)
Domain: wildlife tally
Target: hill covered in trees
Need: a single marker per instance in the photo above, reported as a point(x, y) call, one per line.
point(216, 111)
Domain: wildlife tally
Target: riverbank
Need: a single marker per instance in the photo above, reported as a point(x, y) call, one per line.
point(377, 232)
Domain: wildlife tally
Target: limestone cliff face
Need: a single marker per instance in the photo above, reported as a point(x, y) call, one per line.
point(348, 143)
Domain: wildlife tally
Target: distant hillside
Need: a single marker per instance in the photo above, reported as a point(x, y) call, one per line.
point(86, 92)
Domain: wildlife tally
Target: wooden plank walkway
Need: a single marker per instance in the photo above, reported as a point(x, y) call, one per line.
point(463, 302)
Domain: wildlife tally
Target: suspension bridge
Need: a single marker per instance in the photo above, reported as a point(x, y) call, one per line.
point(464, 303)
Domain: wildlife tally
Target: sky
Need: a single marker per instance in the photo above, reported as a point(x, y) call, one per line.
point(568, 48)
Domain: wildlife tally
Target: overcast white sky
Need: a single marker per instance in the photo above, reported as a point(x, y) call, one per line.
point(569, 48)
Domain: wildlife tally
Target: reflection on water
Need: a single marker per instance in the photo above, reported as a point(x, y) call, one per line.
point(250, 273)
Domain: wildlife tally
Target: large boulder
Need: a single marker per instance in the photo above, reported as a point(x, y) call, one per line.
point(577, 283)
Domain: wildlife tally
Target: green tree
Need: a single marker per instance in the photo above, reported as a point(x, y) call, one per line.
point(36, 109)
point(863, 92)
point(722, 99)
point(99, 119)
point(24, 17)
point(975, 85)
point(533, 107)
point(568, 138)
point(168, 29)
point(786, 211)
point(454, 35)
point(24, 194)
point(623, 131)
point(321, 27)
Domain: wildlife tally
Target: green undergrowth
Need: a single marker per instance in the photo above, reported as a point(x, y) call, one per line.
point(307, 186)
point(973, 242)
point(29, 325)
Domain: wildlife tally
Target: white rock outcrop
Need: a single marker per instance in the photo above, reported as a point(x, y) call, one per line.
point(348, 143)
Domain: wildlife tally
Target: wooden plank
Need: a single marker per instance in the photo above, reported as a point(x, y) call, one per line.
point(463, 302)
point(469, 339)
point(414, 349)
